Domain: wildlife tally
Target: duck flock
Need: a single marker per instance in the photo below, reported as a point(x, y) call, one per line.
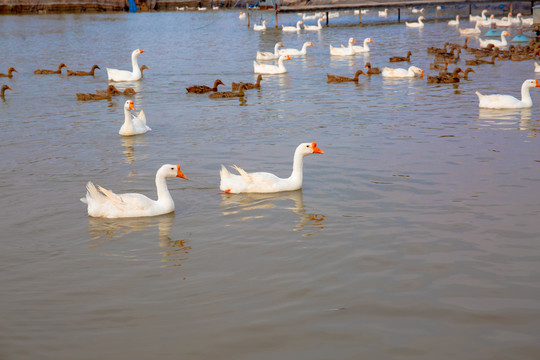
point(107, 204)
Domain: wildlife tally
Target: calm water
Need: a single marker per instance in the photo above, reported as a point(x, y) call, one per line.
point(416, 236)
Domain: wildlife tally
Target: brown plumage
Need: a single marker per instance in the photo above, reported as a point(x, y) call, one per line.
point(142, 68)
point(3, 90)
point(126, 92)
point(434, 50)
point(46, 72)
point(481, 61)
point(372, 70)
point(452, 57)
point(83, 73)
point(466, 73)
point(439, 66)
point(338, 78)
point(249, 86)
point(9, 74)
point(110, 90)
point(445, 78)
point(229, 94)
point(401, 58)
point(201, 89)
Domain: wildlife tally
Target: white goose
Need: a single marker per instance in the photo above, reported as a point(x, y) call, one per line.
point(266, 55)
point(296, 52)
point(536, 67)
point(507, 101)
point(470, 31)
point(292, 28)
point(106, 204)
point(498, 43)
point(260, 27)
point(487, 22)
point(263, 182)
point(418, 25)
point(454, 22)
point(402, 73)
point(133, 125)
point(362, 49)
point(416, 11)
point(343, 51)
point(271, 69)
point(383, 13)
point(477, 18)
point(125, 75)
point(242, 15)
point(315, 27)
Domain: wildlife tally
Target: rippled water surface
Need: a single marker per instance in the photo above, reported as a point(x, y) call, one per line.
point(416, 235)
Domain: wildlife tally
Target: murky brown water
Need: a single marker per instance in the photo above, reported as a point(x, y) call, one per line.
point(416, 235)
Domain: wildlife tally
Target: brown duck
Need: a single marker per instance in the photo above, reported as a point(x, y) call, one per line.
point(466, 73)
point(110, 90)
point(444, 67)
point(142, 68)
point(3, 90)
point(59, 71)
point(249, 86)
point(482, 61)
point(9, 74)
point(83, 73)
point(401, 58)
point(372, 70)
point(126, 92)
point(337, 78)
point(445, 78)
point(201, 89)
point(229, 94)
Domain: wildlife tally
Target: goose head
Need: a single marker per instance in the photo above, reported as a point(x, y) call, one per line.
point(417, 71)
point(137, 52)
point(129, 105)
point(308, 148)
point(169, 170)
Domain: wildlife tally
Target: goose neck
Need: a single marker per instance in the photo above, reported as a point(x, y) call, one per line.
point(163, 194)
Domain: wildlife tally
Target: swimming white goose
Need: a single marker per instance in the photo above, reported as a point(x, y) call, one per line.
point(498, 43)
point(106, 204)
point(487, 22)
point(343, 51)
point(260, 27)
point(315, 27)
point(292, 28)
point(470, 31)
point(271, 69)
point(125, 75)
point(266, 55)
point(536, 67)
point(296, 52)
point(417, 25)
point(454, 22)
point(362, 49)
point(402, 73)
point(242, 15)
point(263, 182)
point(133, 125)
point(416, 11)
point(478, 18)
point(383, 13)
point(498, 101)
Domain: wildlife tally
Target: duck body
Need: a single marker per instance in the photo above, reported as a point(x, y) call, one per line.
point(482, 61)
point(484, 43)
point(292, 28)
point(106, 204)
point(270, 69)
point(372, 70)
point(126, 75)
point(133, 125)
point(49, 72)
point(98, 96)
point(9, 73)
point(249, 86)
point(127, 92)
point(202, 89)
point(338, 78)
point(296, 52)
point(83, 73)
point(417, 25)
point(229, 94)
point(411, 72)
point(343, 51)
point(401, 58)
point(266, 55)
point(264, 182)
point(445, 78)
point(261, 27)
point(498, 101)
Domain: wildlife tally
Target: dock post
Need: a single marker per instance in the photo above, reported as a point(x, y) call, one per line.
point(360, 17)
point(327, 18)
point(470, 8)
point(247, 16)
point(436, 12)
point(276, 13)
point(398, 15)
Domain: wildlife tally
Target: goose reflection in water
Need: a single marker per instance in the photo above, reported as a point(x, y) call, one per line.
point(130, 143)
point(254, 206)
point(506, 119)
point(104, 232)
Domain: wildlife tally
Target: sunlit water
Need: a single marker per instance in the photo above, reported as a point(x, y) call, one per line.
point(416, 235)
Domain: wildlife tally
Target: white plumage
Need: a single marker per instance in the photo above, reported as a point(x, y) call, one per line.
point(126, 75)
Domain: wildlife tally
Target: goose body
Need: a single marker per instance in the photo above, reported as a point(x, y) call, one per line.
point(9, 73)
point(133, 125)
point(126, 75)
point(536, 67)
point(266, 55)
point(296, 52)
point(411, 72)
point(362, 49)
point(106, 204)
point(470, 31)
point(454, 22)
point(477, 18)
point(498, 101)
point(383, 13)
point(314, 27)
point(419, 24)
point(264, 182)
point(343, 51)
point(83, 73)
point(261, 27)
point(292, 28)
point(498, 43)
point(259, 68)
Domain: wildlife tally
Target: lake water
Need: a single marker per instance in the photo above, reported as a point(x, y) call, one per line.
point(416, 235)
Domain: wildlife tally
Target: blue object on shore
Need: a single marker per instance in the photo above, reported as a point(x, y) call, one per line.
point(132, 6)
point(520, 38)
point(493, 32)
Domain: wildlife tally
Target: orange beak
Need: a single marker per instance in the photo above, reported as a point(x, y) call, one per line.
point(316, 150)
point(180, 174)
point(141, 51)
point(422, 74)
point(310, 44)
point(354, 41)
point(12, 89)
point(371, 40)
point(537, 84)
point(131, 106)
point(288, 57)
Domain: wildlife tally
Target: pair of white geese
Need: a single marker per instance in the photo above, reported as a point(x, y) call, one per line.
point(106, 204)
point(295, 28)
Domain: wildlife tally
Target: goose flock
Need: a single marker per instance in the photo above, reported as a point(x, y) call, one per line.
point(108, 204)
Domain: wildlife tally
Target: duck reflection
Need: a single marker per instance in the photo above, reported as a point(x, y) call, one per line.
point(104, 231)
point(506, 118)
point(130, 142)
point(307, 223)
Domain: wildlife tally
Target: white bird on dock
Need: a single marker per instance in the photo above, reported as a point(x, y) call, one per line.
point(418, 25)
point(261, 27)
point(383, 13)
point(343, 51)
